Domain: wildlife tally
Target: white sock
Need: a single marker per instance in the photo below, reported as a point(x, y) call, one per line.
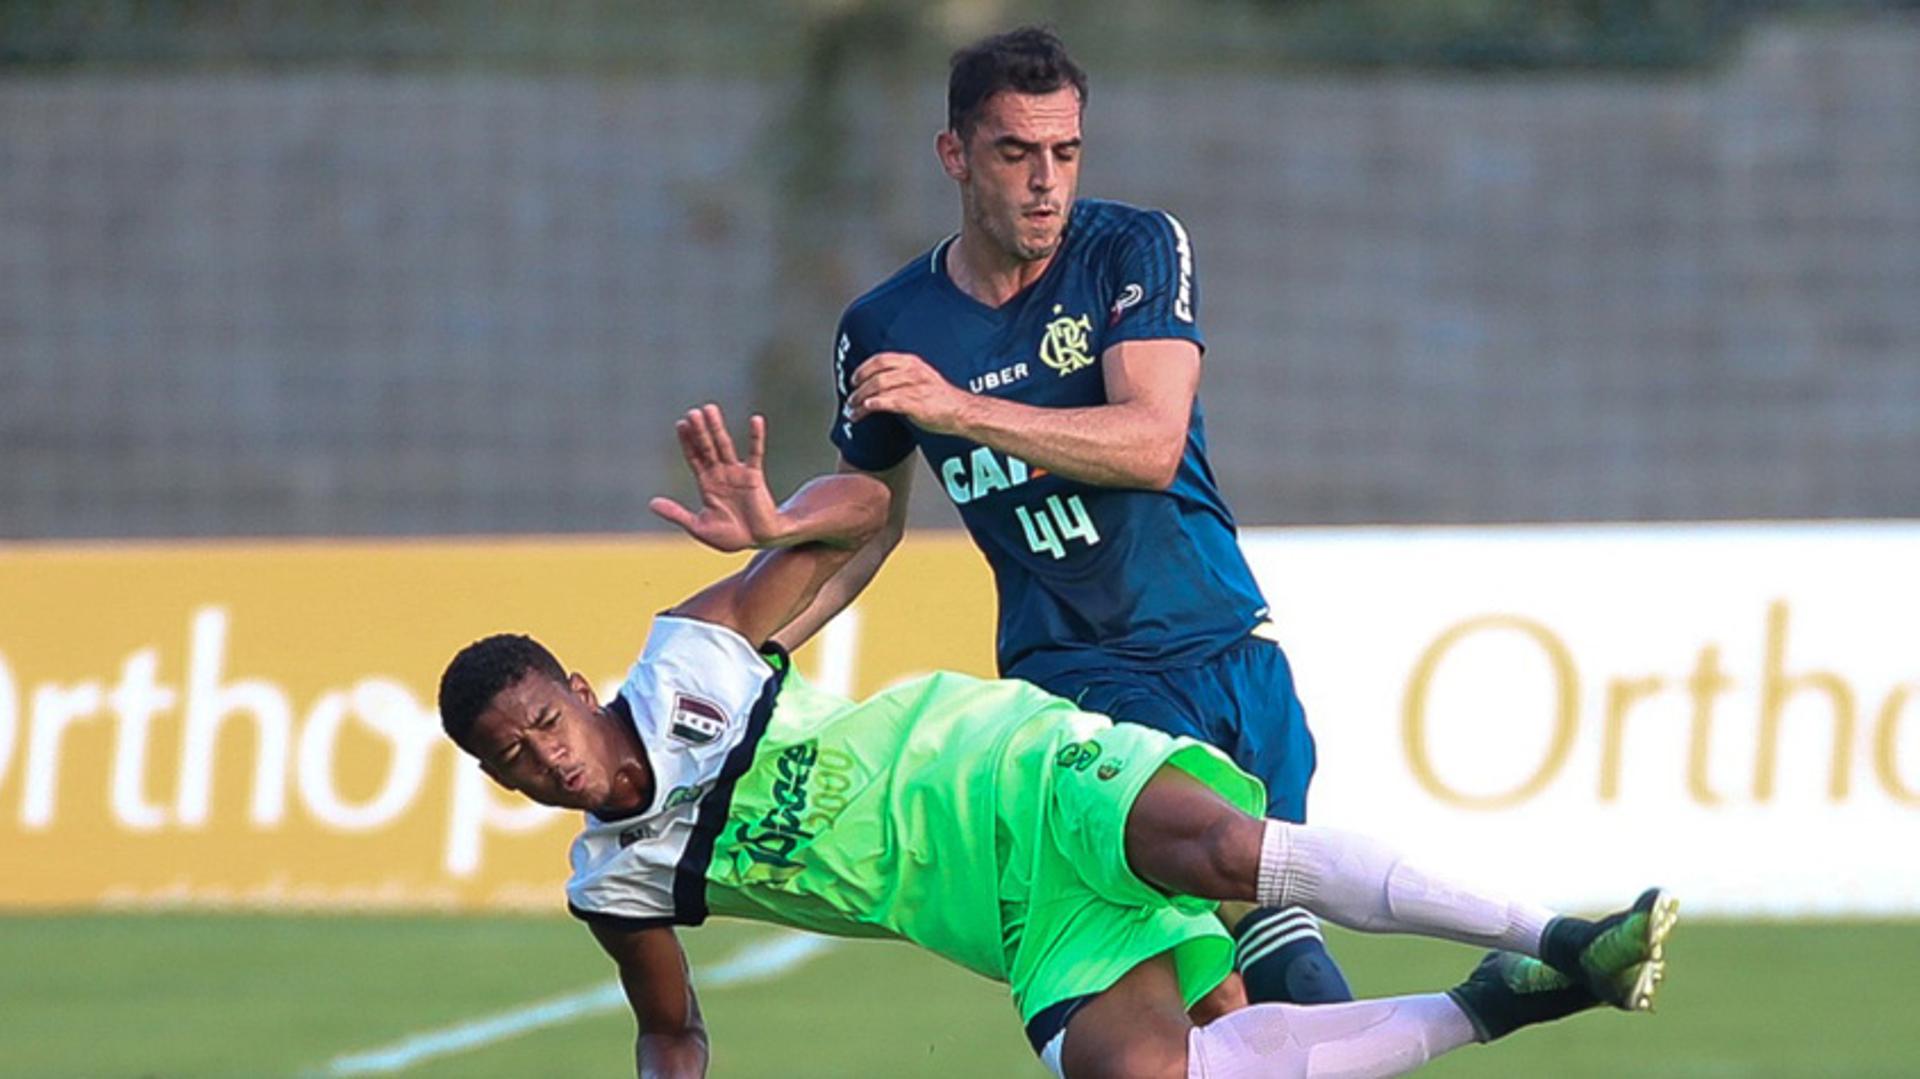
point(1363, 884)
point(1362, 1039)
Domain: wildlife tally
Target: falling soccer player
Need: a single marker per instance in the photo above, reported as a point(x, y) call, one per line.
point(989, 822)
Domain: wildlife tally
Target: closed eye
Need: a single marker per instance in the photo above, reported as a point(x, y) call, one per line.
point(1012, 149)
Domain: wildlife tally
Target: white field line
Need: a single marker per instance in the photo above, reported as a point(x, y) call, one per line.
point(757, 962)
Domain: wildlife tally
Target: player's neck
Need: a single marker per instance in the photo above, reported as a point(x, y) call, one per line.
point(981, 270)
point(632, 776)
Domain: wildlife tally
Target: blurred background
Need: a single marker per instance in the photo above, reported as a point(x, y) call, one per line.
point(282, 268)
point(438, 269)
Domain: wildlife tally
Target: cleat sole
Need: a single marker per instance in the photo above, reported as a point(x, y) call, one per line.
point(1648, 975)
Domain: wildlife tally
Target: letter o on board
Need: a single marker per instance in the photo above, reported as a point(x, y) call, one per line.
point(1566, 712)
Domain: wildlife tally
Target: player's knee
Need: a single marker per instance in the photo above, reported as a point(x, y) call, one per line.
point(1230, 848)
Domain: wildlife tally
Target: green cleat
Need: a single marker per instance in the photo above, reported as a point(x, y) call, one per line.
point(1508, 991)
point(1622, 958)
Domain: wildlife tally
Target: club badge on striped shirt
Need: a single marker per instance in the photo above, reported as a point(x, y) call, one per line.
point(696, 721)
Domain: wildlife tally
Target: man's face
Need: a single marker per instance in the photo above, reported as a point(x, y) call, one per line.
point(543, 738)
point(1018, 169)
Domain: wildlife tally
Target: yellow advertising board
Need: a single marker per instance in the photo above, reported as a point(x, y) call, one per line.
point(253, 724)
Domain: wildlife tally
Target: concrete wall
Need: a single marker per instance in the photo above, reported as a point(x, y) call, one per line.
point(355, 303)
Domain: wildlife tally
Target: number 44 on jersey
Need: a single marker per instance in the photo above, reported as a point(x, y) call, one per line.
point(1048, 525)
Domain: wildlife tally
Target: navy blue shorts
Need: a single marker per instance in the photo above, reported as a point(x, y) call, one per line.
point(1241, 702)
point(1049, 1021)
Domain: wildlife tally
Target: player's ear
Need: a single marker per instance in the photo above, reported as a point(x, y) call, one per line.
point(952, 151)
point(583, 689)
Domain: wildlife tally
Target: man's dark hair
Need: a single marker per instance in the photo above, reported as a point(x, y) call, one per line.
point(484, 668)
point(1029, 60)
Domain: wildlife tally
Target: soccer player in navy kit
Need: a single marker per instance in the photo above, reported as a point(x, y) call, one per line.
point(1046, 362)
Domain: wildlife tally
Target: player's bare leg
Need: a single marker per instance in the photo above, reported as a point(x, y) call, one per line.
point(1183, 836)
point(1136, 1027)
point(1226, 998)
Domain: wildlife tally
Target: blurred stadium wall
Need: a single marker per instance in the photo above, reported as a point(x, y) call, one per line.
point(429, 268)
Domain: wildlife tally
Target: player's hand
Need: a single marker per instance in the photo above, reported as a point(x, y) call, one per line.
point(736, 509)
point(905, 384)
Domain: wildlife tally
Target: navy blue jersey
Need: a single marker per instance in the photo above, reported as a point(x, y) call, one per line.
point(1086, 575)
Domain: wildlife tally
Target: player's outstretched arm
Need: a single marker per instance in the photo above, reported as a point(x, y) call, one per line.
point(672, 1043)
point(804, 541)
point(845, 586)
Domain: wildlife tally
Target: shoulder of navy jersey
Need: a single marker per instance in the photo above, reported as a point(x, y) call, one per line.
point(1097, 218)
point(870, 312)
point(1143, 259)
point(882, 440)
point(1100, 223)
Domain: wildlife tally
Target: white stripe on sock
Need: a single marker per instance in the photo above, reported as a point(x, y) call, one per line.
point(1251, 952)
point(1287, 921)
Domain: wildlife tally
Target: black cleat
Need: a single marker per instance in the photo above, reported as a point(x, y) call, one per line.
point(1508, 991)
point(1622, 958)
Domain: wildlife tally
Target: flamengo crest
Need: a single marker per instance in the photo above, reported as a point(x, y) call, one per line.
point(1066, 347)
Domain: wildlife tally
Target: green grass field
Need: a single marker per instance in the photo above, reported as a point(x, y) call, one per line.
point(258, 995)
